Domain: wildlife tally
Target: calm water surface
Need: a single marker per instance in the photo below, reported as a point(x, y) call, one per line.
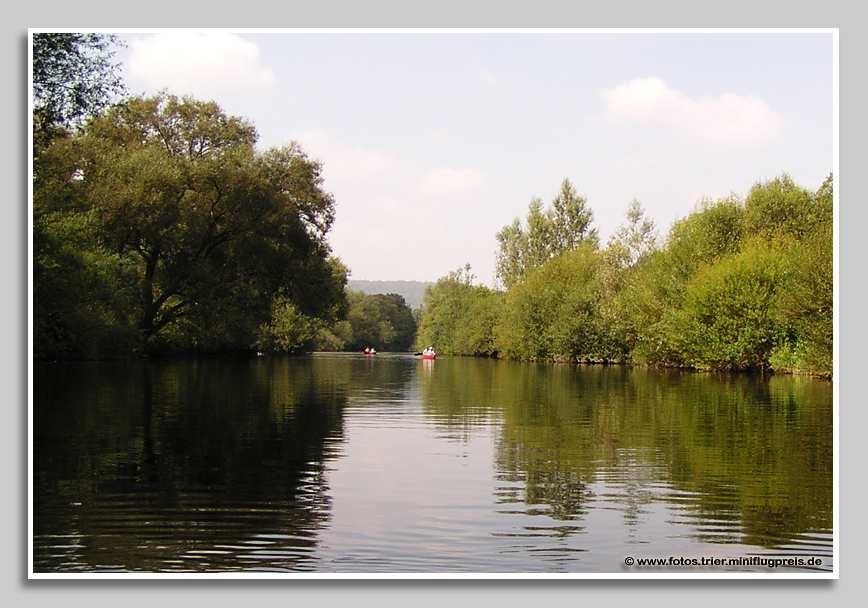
point(390, 464)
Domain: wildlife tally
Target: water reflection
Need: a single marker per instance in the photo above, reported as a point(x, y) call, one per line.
point(180, 466)
point(735, 459)
point(344, 463)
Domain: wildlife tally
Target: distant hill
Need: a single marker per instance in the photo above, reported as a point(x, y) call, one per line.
point(412, 291)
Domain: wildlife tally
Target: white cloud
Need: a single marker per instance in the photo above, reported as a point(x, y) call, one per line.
point(388, 207)
point(730, 119)
point(446, 182)
point(199, 64)
point(344, 162)
point(353, 166)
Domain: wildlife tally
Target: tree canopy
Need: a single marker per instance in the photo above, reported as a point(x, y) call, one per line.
point(381, 321)
point(202, 231)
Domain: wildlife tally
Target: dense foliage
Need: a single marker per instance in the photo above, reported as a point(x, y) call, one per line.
point(739, 284)
point(160, 227)
point(381, 321)
point(459, 317)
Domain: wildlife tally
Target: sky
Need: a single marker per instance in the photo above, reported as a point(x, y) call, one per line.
point(432, 141)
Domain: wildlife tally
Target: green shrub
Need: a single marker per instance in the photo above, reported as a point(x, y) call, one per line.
point(730, 313)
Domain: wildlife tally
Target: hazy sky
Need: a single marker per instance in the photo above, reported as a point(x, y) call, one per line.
point(431, 142)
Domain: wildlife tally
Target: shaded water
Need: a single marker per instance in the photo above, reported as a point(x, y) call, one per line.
point(390, 464)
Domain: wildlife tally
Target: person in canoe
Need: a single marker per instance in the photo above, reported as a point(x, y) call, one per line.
point(429, 353)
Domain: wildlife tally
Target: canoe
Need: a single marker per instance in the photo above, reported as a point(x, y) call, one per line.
point(428, 356)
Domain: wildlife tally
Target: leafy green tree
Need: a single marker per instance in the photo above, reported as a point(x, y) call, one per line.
point(401, 319)
point(778, 207)
point(510, 254)
point(442, 310)
point(643, 312)
point(808, 301)
point(288, 331)
point(643, 303)
point(554, 313)
point(382, 321)
point(213, 230)
point(570, 219)
point(81, 290)
point(729, 313)
point(539, 236)
point(549, 232)
point(624, 259)
point(713, 230)
point(459, 317)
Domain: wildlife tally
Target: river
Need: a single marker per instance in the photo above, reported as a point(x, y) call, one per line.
point(387, 464)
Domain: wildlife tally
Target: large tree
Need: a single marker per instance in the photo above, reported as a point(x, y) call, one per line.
point(210, 230)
